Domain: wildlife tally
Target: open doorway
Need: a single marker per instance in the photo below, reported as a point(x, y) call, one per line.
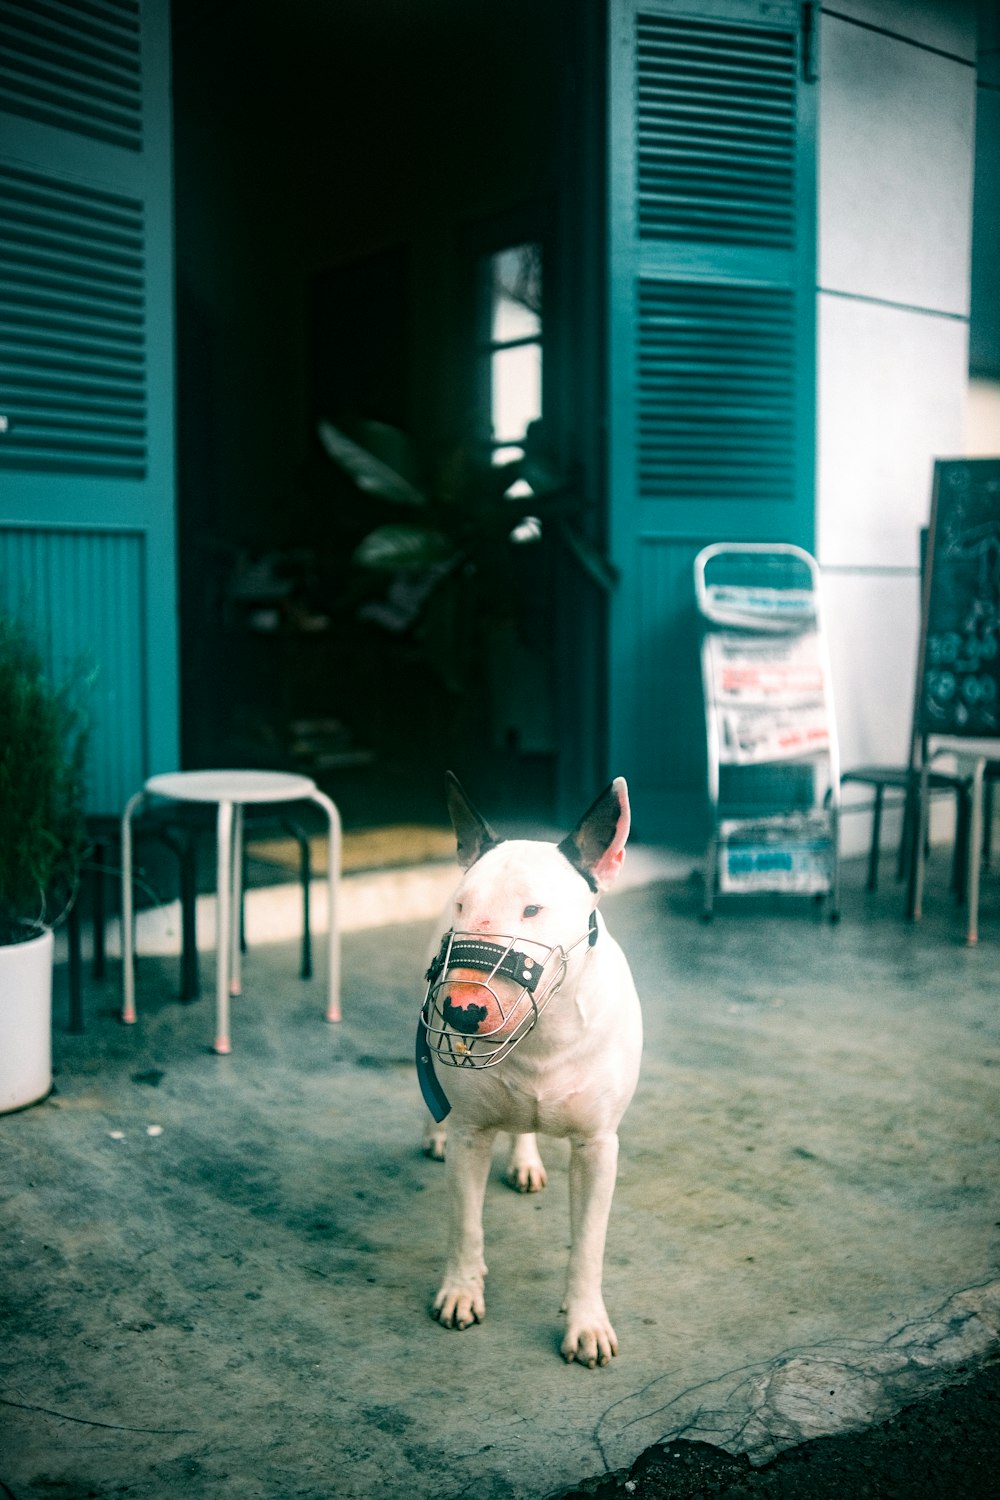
point(362, 202)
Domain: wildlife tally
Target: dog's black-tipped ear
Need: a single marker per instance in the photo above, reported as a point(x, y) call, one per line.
point(473, 833)
point(596, 847)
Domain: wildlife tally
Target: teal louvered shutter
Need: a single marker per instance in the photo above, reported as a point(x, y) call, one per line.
point(711, 346)
point(87, 492)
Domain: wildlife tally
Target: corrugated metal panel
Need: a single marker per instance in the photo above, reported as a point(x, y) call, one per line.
point(72, 328)
point(667, 692)
point(75, 64)
point(715, 391)
point(82, 590)
point(715, 131)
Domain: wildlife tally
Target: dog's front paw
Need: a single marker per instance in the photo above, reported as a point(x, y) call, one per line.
point(590, 1339)
point(459, 1304)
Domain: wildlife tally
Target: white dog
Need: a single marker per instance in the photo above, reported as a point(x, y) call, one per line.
point(531, 1023)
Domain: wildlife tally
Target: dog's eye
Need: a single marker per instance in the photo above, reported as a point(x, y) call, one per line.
point(531, 911)
point(458, 906)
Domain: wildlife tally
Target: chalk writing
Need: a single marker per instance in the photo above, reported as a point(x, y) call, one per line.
point(960, 666)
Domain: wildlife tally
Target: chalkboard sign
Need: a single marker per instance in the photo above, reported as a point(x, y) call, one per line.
point(958, 681)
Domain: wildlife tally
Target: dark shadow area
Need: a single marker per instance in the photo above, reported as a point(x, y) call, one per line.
point(941, 1448)
point(338, 180)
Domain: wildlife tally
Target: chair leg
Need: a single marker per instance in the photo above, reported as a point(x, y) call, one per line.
point(906, 842)
point(75, 969)
point(960, 858)
point(876, 839)
point(711, 874)
point(99, 912)
point(918, 859)
point(975, 847)
point(128, 912)
point(185, 847)
point(305, 877)
point(190, 976)
point(987, 822)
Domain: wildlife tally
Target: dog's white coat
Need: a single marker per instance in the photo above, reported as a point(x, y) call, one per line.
point(572, 1076)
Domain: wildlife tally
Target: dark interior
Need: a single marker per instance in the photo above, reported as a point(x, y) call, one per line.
point(339, 172)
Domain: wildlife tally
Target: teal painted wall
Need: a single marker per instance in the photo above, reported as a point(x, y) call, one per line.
point(87, 492)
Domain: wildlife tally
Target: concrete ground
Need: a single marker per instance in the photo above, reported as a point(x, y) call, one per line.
point(217, 1271)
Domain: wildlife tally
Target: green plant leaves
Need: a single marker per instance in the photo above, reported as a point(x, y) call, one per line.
point(42, 753)
point(401, 548)
point(384, 466)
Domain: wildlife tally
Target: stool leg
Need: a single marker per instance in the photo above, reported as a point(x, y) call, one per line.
point(128, 915)
point(332, 884)
point(223, 917)
point(236, 916)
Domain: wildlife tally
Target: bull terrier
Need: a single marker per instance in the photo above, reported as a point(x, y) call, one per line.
point(531, 1023)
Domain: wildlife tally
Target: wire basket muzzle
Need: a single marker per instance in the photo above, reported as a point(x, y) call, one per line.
point(484, 995)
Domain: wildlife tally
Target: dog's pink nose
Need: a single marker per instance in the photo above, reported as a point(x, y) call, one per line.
point(474, 1008)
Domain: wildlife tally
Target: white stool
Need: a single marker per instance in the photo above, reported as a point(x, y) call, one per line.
point(231, 791)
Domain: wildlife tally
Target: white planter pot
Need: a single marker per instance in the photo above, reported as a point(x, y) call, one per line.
point(25, 1021)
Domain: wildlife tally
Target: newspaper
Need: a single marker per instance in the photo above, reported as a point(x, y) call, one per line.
point(759, 608)
point(791, 853)
point(769, 697)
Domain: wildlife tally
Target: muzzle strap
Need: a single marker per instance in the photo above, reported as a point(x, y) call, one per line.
point(434, 1095)
point(494, 959)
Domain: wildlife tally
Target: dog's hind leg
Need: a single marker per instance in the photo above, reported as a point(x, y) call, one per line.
point(435, 1137)
point(460, 1300)
point(525, 1169)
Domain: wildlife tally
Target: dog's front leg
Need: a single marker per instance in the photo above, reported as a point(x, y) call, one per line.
point(593, 1165)
point(460, 1300)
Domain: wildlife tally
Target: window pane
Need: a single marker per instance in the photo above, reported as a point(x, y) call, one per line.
point(517, 294)
point(508, 453)
point(517, 391)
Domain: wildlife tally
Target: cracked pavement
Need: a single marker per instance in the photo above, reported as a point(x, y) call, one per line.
point(217, 1271)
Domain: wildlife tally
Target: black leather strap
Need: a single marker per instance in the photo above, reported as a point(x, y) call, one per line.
point(488, 958)
point(434, 1095)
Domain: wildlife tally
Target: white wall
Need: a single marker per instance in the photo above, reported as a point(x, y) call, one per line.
point(896, 148)
point(982, 425)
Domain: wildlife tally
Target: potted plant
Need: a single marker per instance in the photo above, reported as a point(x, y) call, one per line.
point(42, 750)
point(449, 539)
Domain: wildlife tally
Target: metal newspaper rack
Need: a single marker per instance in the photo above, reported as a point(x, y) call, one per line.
point(773, 759)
